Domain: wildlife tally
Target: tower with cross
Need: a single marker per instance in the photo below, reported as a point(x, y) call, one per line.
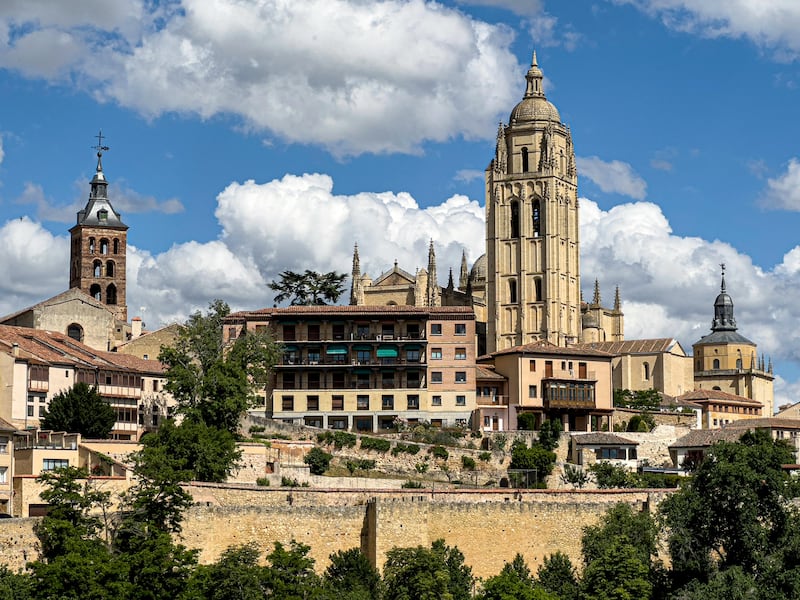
point(98, 245)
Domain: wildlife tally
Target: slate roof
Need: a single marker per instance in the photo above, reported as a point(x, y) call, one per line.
point(704, 395)
point(699, 438)
point(646, 346)
point(600, 438)
point(484, 373)
point(764, 423)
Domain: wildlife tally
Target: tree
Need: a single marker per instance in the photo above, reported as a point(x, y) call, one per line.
point(734, 512)
point(80, 409)
point(514, 582)
point(291, 575)
point(535, 459)
point(352, 576)
point(526, 421)
point(317, 460)
point(235, 576)
point(420, 573)
point(549, 434)
point(611, 476)
point(308, 287)
point(210, 383)
point(557, 576)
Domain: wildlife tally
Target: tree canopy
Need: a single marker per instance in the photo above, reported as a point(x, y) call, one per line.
point(308, 287)
point(80, 409)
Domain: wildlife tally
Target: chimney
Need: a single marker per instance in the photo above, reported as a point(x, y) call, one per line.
point(136, 327)
point(15, 350)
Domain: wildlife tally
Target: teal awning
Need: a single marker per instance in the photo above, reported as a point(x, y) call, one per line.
point(412, 347)
point(387, 352)
point(336, 350)
point(290, 348)
point(362, 347)
point(361, 371)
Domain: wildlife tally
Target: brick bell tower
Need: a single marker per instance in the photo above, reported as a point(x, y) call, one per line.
point(98, 246)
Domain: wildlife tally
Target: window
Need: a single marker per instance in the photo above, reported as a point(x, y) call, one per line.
point(288, 381)
point(412, 355)
point(436, 377)
point(3, 444)
point(532, 391)
point(337, 403)
point(413, 402)
point(312, 402)
point(50, 464)
point(313, 381)
point(532, 366)
point(362, 402)
point(646, 371)
point(287, 402)
point(288, 332)
point(537, 284)
point(461, 354)
point(313, 332)
point(716, 363)
point(3, 474)
point(524, 153)
point(436, 354)
point(461, 377)
point(155, 385)
point(110, 268)
point(436, 329)
point(461, 329)
point(738, 363)
point(91, 245)
point(536, 219)
point(103, 244)
point(97, 269)
point(337, 422)
point(512, 291)
point(30, 410)
point(514, 219)
point(362, 331)
point(313, 356)
point(461, 400)
point(338, 331)
point(387, 402)
point(436, 400)
point(111, 294)
point(95, 291)
point(116, 246)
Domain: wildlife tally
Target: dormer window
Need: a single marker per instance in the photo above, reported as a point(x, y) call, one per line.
point(102, 214)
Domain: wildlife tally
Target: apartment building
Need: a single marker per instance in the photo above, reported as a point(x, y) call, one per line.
point(366, 368)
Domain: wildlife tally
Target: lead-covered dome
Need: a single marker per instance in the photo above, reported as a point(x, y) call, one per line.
point(534, 106)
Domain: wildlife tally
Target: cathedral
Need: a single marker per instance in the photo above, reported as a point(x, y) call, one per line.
point(526, 287)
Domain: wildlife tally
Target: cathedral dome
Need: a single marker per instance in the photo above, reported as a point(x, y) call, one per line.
point(589, 321)
point(479, 271)
point(534, 109)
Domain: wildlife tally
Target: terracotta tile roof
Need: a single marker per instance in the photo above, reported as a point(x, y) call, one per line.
point(70, 294)
point(6, 426)
point(465, 312)
point(52, 347)
point(482, 372)
point(599, 438)
point(646, 346)
point(698, 438)
point(764, 423)
point(704, 395)
point(543, 347)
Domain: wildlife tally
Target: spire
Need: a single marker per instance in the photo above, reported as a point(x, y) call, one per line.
point(534, 78)
point(596, 298)
point(723, 309)
point(617, 301)
point(433, 283)
point(464, 275)
point(769, 367)
point(356, 276)
point(98, 211)
point(450, 286)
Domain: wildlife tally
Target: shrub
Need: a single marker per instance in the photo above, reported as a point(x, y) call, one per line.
point(407, 448)
point(439, 452)
point(318, 460)
point(549, 433)
point(289, 482)
point(641, 423)
point(575, 476)
point(362, 464)
point(468, 463)
point(415, 485)
point(485, 456)
point(608, 476)
point(377, 444)
point(262, 482)
point(526, 421)
point(340, 439)
point(256, 429)
point(421, 467)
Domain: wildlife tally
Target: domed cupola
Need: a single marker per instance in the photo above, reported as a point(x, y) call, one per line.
point(534, 106)
point(723, 310)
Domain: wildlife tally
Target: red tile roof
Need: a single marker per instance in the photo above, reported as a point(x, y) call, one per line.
point(704, 395)
point(646, 346)
point(543, 347)
point(465, 312)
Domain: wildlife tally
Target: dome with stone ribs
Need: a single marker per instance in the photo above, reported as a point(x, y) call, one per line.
point(534, 106)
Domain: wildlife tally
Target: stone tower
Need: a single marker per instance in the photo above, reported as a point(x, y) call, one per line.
point(98, 246)
point(533, 271)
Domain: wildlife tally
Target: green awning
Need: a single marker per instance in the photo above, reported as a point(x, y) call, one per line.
point(361, 371)
point(362, 347)
point(412, 346)
point(290, 348)
point(336, 350)
point(387, 352)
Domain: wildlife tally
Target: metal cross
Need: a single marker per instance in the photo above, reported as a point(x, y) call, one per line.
point(100, 148)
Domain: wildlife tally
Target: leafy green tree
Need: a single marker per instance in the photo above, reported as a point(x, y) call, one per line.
point(308, 287)
point(641, 423)
point(611, 476)
point(80, 409)
point(291, 575)
point(526, 421)
point(192, 450)
point(210, 383)
point(235, 576)
point(318, 460)
point(557, 576)
point(734, 512)
point(426, 574)
point(637, 399)
point(15, 586)
point(514, 582)
point(549, 433)
point(575, 476)
point(350, 575)
point(535, 459)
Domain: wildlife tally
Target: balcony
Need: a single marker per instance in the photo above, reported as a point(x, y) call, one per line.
point(493, 400)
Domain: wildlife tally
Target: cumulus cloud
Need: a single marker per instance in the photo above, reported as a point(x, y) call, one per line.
point(773, 24)
point(615, 177)
point(467, 175)
point(783, 192)
point(352, 76)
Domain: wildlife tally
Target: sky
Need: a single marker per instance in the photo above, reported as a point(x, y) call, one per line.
point(248, 137)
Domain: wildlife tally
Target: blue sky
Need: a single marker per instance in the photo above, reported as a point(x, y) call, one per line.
point(252, 137)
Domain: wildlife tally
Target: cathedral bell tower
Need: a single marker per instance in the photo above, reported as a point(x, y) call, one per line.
point(98, 246)
point(533, 272)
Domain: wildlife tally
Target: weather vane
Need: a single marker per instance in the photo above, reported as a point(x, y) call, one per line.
point(99, 147)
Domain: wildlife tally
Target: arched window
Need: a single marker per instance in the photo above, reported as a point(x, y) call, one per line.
point(116, 246)
point(738, 363)
point(524, 160)
point(97, 268)
point(537, 289)
point(75, 331)
point(514, 219)
point(646, 371)
point(95, 292)
point(110, 268)
point(537, 223)
point(111, 294)
point(512, 291)
point(717, 388)
point(716, 364)
point(104, 246)
point(91, 245)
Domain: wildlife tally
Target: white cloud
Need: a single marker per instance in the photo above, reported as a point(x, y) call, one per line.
point(783, 192)
point(519, 7)
point(773, 24)
point(353, 76)
point(615, 177)
point(2, 153)
point(467, 175)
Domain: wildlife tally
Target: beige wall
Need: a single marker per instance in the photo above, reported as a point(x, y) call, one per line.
point(669, 373)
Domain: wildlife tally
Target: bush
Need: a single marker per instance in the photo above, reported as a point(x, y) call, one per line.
point(262, 482)
point(421, 467)
point(526, 421)
point(415, 485)
point(610, 476)
point(318, 460)
point(407, 448)
point(439, 452)
point(468, 463)
point(340, 439)
point(549, 433)
point(658, 480)
point(256, 429)
point(362, 464)
point(485, 456)
point(641, 423)
point(289, 482)
point(377, 444)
